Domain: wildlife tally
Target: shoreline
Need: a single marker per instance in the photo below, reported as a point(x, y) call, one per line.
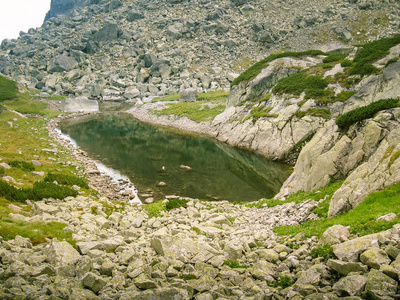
point(106, 181)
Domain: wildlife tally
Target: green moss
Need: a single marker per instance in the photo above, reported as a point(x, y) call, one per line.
point(362, 219)
point(346, 120)
point(395, 156)
point(255, 69)
point(8, 89)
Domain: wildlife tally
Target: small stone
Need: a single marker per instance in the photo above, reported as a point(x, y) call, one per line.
point(149, 200)
point(387, 218)
point(161, 183)
point(36, 163)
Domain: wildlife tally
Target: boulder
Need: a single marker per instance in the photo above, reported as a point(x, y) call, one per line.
point(93, 282)
point(387, 218)
point(109, 32)
point(61, 253)
point(334, 235)
point(134, 15)
point(62, 63)
point(313, 276)
point(374, 258)
point(350, 285)
point(350, 250)
point(188, 95)
point(344, 268)
point(379, 284)
point(263, 270)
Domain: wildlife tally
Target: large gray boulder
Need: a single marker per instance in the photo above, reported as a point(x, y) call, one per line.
point(61, 253)
point(62, 63)
point(109, 32)
point(334, 235)
point(374, 258)
point(351, 250)
point(350, 285)
point(379, 284)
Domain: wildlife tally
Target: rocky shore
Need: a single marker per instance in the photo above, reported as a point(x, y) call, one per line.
point(204, 251)
point(102, 179)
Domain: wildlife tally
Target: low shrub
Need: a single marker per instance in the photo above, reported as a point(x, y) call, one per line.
point(154, 209)
point(39, 191)
point(316, 112)
point(325, 251)
point(234, 264)
point(345, 95)
point(295, 84)
point(391, 61)
point(334, 57)
point(346, 63)
point(284, 282)
point(67, 180)
point(346, 120)
point(2, 171)
point(176, 203)
point(255, 69)
point(8, 88)
point(23, 165)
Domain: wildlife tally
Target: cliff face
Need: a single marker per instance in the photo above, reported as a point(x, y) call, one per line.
point(62, 7)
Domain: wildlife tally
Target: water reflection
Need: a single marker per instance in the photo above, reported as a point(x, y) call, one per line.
point(190, 165)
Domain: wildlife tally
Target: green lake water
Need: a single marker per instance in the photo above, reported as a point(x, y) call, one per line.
point(148, 155)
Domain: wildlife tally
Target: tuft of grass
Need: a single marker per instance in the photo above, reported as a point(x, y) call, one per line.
point(255, 69)
point(325, 251)
point(365, 112)
point(196, 111)
point(66, 180)
point(234, 264)
point(334, 57)
point(172, 97)
point(345, 95)
point(362, 219)
point(300, 196)
point(176, 203)
point(259, 112)
point(23, 165)
point(154, 209)
point(284, 282)
point(316, 112)
point(8, 89)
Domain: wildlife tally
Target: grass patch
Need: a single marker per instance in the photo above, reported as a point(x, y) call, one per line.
point(255, 69)
point(197, 111)
point(26, 106)
point(344, 95)
point(176, 203)
point(154, 209)
point(259, 112)
point(365, 112)
point(315, 112)
point(362, 219)
point(67, 180)
point(324, 251)
point(8, 89)
point(234, 264)
point(284, 282)
point(213, 95)
point(371, 52)
point(299, 197)
point(23, 165)
point(313, 86)
point(172, 97)
point(391, 61)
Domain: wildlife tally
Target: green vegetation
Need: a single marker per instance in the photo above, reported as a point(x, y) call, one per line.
point(176, 203)
point(154, 209)
point(39, 191)
point(26, 106)
point(362, 219)
point(345, 95)
point(213, 96)
point(295, 84)
point(259, 112)
point(2, 171)
point(172, 97)
point(23, 165)
point(324, 251)
point(316, 112)
point(197, 111)
point(371, 52)
point(255, 69)
point(334, 57)
point(67, 180)
point(284, 281)
point(234, 264)
point(391, 61)
point(346, 120)
point(346, 63)
point(299, 197)
point(8, 89)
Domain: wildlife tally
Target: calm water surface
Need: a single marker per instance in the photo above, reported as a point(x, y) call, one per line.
point(148, 155)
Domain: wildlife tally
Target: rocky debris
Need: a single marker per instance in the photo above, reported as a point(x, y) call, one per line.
point(98, 48)
point(125, 254)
